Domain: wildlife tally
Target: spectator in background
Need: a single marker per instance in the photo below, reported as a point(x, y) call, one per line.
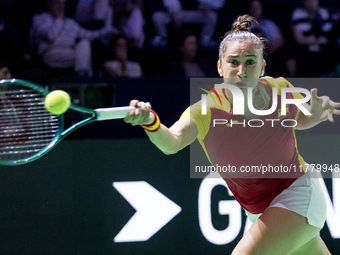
point(312, 26)
point(119, 65)
point(129, 19)
point(171, 12)
point(189, 65)
point(336, 29)
point(15, 36)
point(270, 29)
point(210, 8)
point(5, 72)
point(279, 55)
point(94, 14)
point(62, 42)
point(4, 39)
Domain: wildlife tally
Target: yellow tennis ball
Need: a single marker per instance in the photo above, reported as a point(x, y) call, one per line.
point(57, 102)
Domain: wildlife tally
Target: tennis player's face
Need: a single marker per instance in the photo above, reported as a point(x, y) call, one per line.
point(241, 64)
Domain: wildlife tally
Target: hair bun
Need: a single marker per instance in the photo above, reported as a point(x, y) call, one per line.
point(242, 23)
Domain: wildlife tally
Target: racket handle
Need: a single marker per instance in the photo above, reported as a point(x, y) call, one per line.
point(113, 112)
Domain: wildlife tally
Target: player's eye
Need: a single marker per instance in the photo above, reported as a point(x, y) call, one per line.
point(233, 62)
point(250, 62)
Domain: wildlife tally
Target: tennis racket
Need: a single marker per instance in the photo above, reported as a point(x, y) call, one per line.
point(28, 130)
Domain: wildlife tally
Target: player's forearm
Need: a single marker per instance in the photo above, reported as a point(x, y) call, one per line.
point(168, 140)
point(165, 140)
point(306, 122)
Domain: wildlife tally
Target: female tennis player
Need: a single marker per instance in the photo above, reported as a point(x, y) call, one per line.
point(287, 213)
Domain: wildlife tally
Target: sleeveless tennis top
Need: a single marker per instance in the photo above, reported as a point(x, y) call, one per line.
point(248, 148)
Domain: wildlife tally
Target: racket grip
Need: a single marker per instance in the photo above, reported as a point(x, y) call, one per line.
point(113, 112)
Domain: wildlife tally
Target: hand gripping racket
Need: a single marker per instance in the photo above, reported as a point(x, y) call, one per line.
point(28, 130)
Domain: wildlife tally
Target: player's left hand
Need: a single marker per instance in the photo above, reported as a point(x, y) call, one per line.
point(322, 108)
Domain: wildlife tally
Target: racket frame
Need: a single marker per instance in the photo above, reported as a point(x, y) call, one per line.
point(96, 115)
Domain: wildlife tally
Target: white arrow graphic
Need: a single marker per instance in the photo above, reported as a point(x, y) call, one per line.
point(153, 211)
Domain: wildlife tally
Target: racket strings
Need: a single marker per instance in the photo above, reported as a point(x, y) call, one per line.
point(26, 127)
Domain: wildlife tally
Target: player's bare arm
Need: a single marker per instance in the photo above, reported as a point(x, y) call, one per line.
point(168, 140)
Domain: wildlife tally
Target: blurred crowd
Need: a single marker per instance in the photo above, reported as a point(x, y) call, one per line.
point(162, 38)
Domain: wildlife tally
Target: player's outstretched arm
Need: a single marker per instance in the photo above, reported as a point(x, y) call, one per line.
point(321, 108)
point(168, 140)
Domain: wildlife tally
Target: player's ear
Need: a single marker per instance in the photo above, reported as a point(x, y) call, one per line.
point(219, 68)
point(263, 67)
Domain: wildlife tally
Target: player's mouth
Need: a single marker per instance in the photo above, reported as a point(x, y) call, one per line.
point(240, 84)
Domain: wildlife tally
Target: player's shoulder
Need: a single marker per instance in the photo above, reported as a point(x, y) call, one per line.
point(278, 83)
point(212, 99)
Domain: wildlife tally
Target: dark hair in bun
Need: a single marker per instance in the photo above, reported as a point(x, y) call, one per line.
point(240, 31)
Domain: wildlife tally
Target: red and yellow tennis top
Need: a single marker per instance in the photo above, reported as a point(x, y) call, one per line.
point(242, 146)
